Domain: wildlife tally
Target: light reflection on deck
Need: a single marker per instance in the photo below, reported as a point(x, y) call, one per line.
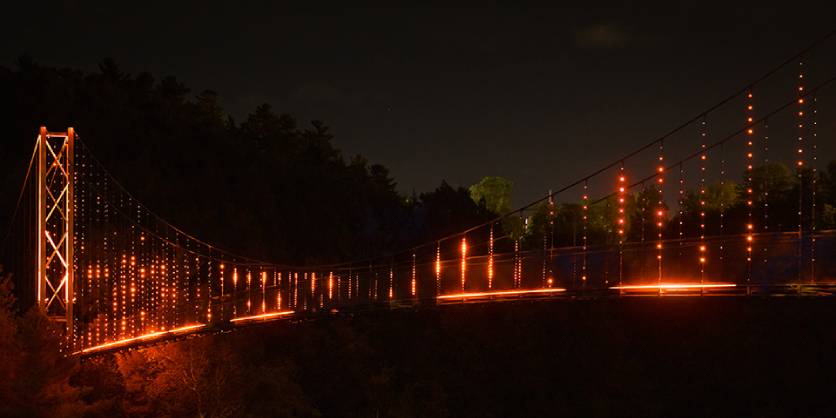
point(142, 338)
point(499, 293)
point(262, 317)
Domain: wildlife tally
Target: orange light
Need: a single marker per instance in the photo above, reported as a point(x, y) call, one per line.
point(438, 264)
point(500, 293)
point(262, 317)
point(464, 260)
point(490, 259)
point(674, 286)
point(144, 337)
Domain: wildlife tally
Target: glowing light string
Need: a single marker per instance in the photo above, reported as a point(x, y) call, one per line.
point(764, 195)
point(464, 262)
point(813, 187)
point(621, 220)
point(703, 249)
point(585, 219)
point(750, 227)
point(414, 282)
point(800, 168)
point(660, 209)
point(490, 258)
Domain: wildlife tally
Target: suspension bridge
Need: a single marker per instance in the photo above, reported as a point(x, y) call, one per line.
point(687, 214)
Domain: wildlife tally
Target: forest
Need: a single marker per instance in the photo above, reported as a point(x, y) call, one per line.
point(293, 196)
point(277, 188)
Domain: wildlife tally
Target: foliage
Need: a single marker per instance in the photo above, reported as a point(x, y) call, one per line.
point(35, 373)
point(494, 193)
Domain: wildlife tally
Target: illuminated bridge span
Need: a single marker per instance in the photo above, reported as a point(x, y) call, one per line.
point(686, 214)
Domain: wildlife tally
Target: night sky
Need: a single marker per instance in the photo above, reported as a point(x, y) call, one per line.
point(434, 94)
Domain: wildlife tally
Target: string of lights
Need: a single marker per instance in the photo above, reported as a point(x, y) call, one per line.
point(643, 215)
point(490, 258)
point(660, 211)
point(813, 186)
point(552, 215)
point(703, 248)
point(800, 167)
point(585, 227)
point(765, 192)
point(438, 268)
point(681, 205)
point(414, 282)
point(621, 223)
point(750, 227)
point(464, 261)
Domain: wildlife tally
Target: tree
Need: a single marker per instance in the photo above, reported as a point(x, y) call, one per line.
point(447, 210)
point(44, 389)
point(9, 350)
point(196, 376)
point(494, 193)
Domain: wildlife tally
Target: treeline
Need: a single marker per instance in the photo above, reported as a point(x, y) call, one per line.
point(777, 191)
point(268, 187)
point(273, 188)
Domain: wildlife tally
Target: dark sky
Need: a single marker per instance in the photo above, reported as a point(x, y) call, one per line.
point(540, 96)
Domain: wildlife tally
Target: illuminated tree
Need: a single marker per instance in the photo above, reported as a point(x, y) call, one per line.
point(494, 192)
point(197, 376)
point(9, 350)
point(43, 387)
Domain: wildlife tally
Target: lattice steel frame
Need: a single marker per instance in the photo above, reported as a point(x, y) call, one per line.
point(55, 225)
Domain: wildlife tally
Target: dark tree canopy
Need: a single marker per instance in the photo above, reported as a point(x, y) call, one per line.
point(269, 187)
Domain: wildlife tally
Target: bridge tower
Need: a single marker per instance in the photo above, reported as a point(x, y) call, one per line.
point(55, 289)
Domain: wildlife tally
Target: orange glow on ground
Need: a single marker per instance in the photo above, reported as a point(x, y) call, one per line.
point(144, 337)
point(262, 317)
point(674, 286)
point(499, 293)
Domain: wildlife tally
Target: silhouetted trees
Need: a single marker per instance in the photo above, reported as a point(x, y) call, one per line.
point(269, 187)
